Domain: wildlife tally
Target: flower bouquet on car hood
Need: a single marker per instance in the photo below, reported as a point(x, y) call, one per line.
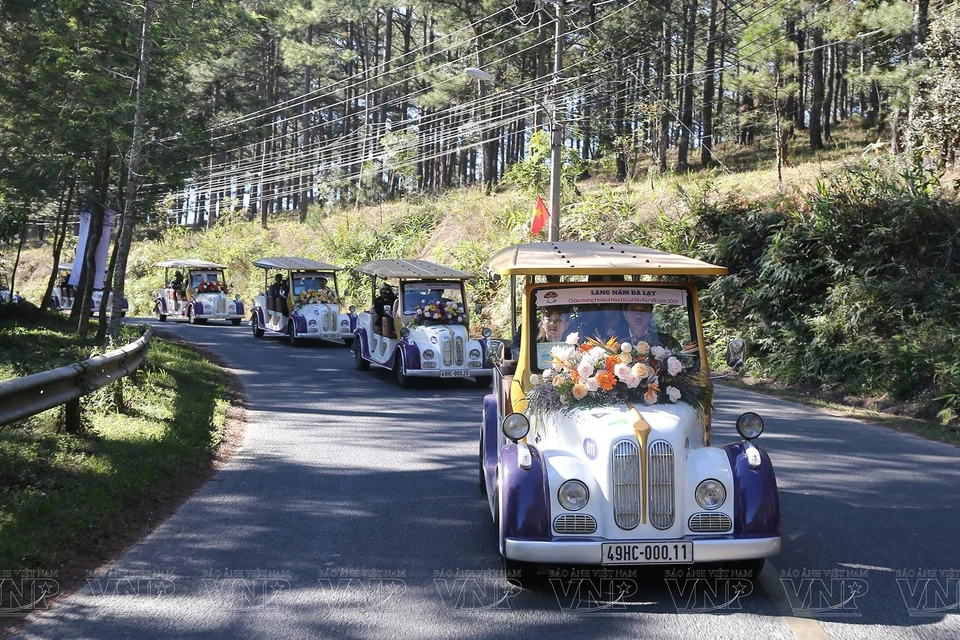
point(596, 373)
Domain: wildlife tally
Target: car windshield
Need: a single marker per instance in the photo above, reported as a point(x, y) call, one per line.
point(196, 277)
point(626, 312)
point(424, 294)
point(303, 282)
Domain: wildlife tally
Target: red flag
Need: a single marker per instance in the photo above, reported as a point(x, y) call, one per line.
point(540, 217)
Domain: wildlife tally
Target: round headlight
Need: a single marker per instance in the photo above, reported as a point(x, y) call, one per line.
point(750, 425)
point(312, 323)
point(474, 354)
point(428, 354)
point(353, 308)
point(344, 323)
point(515, 426)
point(486, 332)
point(710, 494)
point(573, 495)
point(405, 333)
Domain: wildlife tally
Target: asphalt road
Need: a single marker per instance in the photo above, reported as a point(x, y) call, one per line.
point(352, 511)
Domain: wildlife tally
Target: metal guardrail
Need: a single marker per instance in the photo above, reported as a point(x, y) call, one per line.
point(27, 396)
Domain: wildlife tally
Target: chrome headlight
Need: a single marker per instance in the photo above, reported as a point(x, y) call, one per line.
point(353, 308)
point(573, 495)
point(344, 323)
point(405, 333)
point(206, 308)
point(312, 323)
point(486, 332)
point(710, 494)
point(474, 354)
point(750, 425)
point(428, 354)
point(515, 426)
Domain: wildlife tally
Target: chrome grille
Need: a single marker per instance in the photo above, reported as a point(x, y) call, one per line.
point(710, 523)
point(447, 352)
point(326, 321)
point(626, 484)
point(660, 498)
point(575, 523)
point(459, 343)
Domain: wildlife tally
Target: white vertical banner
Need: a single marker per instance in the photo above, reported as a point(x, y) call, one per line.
point(81, 247)
point(103, 248)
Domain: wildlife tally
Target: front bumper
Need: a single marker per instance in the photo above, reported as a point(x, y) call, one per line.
point(439, 373)
point(588, 551)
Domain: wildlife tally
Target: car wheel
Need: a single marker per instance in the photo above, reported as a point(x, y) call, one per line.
point(161, 316)
point(235, 322)
point(191, 316)
point(292, 333)
point(400, 370)
point(358, 359)
point(257, 331)
point(348, 342)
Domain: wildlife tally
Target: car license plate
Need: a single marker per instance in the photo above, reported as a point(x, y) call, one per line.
point(455, 373)
point(647, 553)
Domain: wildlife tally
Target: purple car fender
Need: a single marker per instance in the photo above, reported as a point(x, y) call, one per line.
point(299, 321)
point(526, 496)
point(756, 500)
point(490, 440)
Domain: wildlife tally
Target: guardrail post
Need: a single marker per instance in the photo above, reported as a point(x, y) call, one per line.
point(72, 419)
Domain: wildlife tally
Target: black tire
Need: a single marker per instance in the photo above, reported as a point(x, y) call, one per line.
point(257, 331)
point(161, 317)
point(358, 359)
point(191, 316)
point(235, 322)
point(400, 371)
point(292, 334)
point(348, 342)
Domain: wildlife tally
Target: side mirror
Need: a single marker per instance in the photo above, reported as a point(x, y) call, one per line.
point(495, 352)
point(735, 352)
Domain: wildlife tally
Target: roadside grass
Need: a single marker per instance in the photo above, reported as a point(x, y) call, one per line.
point(69, 502)
point(870, 410)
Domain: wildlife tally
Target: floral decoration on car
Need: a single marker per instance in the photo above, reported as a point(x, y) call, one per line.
point(314, 296)
point(211, 287)
point(595, 373)
point(438, 313)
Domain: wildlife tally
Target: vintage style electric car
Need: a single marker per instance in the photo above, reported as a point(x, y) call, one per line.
point(196, 291)
point(63, 295)
point(418, 327)
point(595, 444)
point(301, 301)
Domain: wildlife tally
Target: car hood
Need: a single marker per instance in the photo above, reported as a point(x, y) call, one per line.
point(434, 334)
point(595, 430)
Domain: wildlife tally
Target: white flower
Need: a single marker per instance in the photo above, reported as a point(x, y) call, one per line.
point(573, 338)
point(534, 379)
point(585, 368)
point(673, 393)
point(592, 384)
point(640, 369)
point(625, 347)
point(632, 381)
point(621, 371)
point(597, 353)
point(659, 353)
point(674, 366)
point(562, 352)
point(548, 373)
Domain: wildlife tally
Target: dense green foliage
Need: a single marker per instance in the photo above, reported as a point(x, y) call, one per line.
point(854, 287)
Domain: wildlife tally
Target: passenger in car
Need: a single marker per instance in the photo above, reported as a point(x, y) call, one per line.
point(382, 309)
point(554, 323)
point(639, 318)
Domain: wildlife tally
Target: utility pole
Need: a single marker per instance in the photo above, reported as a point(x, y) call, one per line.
point(556, 128)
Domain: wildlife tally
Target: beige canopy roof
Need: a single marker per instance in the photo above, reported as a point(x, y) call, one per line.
point(190, 263)
point(301, 264)
point(409, 269)
point(588, 258)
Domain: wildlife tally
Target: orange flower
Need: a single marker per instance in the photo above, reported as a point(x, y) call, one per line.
point(575, 376)
point(612, 361)
point(606, 380)
point(586, 346)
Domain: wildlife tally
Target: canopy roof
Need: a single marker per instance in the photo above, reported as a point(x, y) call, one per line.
point(589, 258)
point(303, 264)
point(408, 269)
point(190, 263)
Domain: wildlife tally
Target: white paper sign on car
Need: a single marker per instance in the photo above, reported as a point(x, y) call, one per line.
point(611, 295)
